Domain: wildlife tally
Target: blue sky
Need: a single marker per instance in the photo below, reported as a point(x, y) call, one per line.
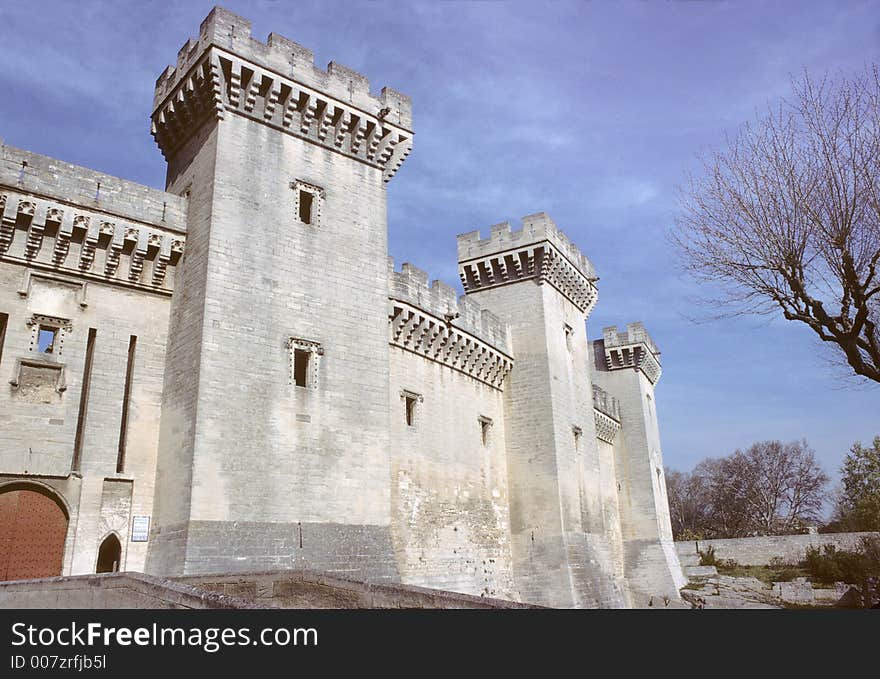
point(590, 111)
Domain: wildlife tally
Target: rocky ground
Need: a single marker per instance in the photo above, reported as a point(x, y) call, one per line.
point(724, 591)
point(707, 589)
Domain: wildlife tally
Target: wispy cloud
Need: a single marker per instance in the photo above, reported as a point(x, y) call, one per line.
point(591, 111)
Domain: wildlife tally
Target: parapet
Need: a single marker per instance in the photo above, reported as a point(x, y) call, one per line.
point(538, 250)
point(633, 348)
point(232, 33)
point(277, 84)
point(440, 300)
point(535, 229)
point(606, 403)
point(635, 334)
point(606, 414)
point(32, 173)
point(60, 218)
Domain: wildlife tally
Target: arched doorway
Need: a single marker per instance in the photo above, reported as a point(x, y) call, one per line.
point(33, 528)
point(109, 555)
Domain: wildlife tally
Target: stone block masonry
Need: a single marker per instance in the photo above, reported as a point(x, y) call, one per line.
point(760, 550)
point(230, 376)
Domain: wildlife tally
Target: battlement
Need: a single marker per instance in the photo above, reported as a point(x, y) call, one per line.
point(631, 349)
point(606, 403)
point(48, 177)
point(232, 32)
point(635, 334)
point(57, 217)
point(442, 301)
point(539, 250)
point(535, 229)
point(277, 84)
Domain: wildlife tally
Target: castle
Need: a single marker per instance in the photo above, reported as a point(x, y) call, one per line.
point(230, 375)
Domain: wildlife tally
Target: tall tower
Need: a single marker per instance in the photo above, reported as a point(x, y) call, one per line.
point(628, 366)
point(541, 285)
point(268, 456)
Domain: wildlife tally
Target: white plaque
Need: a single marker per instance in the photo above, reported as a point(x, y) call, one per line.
point(140, 528)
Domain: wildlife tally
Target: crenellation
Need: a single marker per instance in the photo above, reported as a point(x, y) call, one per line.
point(631, 349)
point(538, 250)
point(606, 403)
point(283, 58)
point(227, 70)
point(535, 229)
point(441, 300)
point(70, 185)
point(635, 334)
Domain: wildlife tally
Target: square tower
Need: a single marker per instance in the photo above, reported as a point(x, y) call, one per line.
point(269, 458)
point(538, 282)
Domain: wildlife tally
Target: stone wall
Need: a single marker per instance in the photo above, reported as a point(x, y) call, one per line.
point(112, 590)
point(310, 589)
point(758, 551)
point(83, 252)
point(450, 516)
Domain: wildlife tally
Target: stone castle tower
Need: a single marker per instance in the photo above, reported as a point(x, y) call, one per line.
point(230, 375)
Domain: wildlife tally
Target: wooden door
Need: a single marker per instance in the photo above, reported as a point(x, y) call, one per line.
point(33, 528)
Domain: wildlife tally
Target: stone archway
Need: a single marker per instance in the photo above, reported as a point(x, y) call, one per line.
point(109, 555)
point(33, 528)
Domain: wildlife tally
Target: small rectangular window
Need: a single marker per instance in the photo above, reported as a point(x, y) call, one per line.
point(485, 429)
point(301, 359)
point(411, 410)
point(578, 433)
point(306, 202)
point(46, 339)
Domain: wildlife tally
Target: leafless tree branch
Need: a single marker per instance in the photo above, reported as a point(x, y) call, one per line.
point(787, 218)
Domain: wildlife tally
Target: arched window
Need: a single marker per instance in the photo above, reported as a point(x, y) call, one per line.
point(109, 555)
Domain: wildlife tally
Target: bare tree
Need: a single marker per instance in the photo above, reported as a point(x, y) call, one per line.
point(688, 504)
point(770, 488)
point(781, 485)
point(787, 217)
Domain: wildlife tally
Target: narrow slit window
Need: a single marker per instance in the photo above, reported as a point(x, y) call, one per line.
point(411, 402)
point(4, 318)
point(578, 433)
point(301, 359)
point(126, 400)
point(485, 429)
point(46, 339)
point(410, 406)
point(84, 400)
point(306, 205)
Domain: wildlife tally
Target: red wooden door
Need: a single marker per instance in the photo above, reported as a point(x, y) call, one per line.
point(33, 527)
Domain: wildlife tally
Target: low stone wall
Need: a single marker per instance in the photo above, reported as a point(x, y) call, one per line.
point(271, 589)
point(758, 551)
point(111, 590)
point(310, 589)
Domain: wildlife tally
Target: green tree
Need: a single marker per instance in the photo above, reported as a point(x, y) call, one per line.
point(859, 502)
